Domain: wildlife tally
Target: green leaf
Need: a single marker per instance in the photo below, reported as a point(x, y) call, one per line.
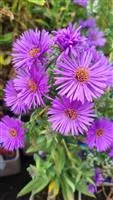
point(44, 166)
point(111, 57)
point(32, 171)
point(32, 185)
point(67, 191)
point(42, 184)
point(6, 38)
point(89, 180)
point(68, 181)
point(78, 177)
point(38, 161)
point(38, 2)
point(58, 156)
point(36, 185)
point(32, 149)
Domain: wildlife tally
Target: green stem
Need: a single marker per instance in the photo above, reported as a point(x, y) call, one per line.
point(39, 114)
point(79, 196)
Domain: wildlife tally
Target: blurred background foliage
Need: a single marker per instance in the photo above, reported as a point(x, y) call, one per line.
point(17, 16)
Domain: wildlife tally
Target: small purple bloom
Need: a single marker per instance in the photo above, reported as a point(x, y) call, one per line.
point(70, 117)
point(100, 135)
point(92, 188)
point(32, 86)
point(31, 46)
point(82, 3)
point(89, 23)
point(98, 178)
point(81, 77)
point(12, 100)
point(96, 37)
point(11, 133)
point(69, 38)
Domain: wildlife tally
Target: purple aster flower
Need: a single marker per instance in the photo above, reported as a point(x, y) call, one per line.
point(32, 86)
point(82, 3)
point(100, 135)
point(69, 38)
point(70, 117)
point(31, 46)
point(96, 37)
point(89, 23)
point(12, 100)
point(81, 77)
point(11, 133)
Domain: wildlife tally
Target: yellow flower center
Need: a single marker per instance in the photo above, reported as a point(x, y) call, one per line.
point(34, 51)
point(99, 132)
point(32, 86)
point(13, 132)
point(72, 114)
point(82, 74)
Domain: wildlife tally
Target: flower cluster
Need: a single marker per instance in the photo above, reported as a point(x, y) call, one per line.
point(27, 89)
point(81, 75)
point(95, 35)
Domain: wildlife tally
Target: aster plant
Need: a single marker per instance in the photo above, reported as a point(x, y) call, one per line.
point(61, 78)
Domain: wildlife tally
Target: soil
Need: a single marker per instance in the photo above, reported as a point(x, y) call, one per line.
point(98, 197)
